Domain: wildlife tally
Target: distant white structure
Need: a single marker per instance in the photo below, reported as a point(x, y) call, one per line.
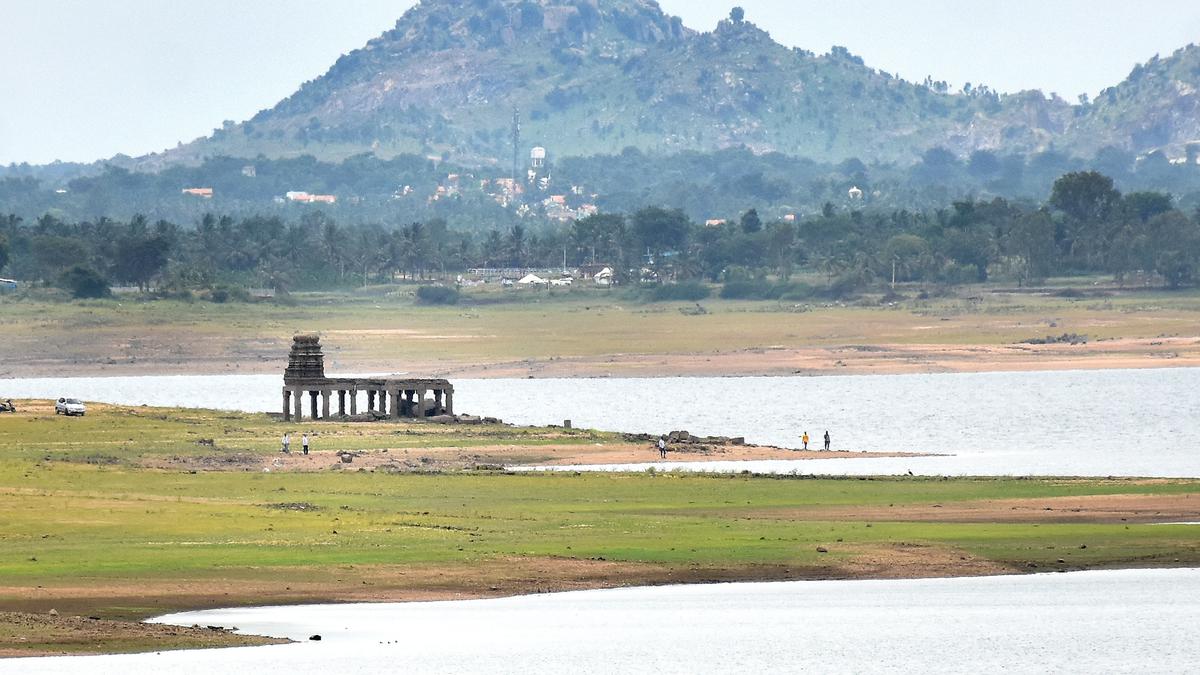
point(306, 198)
point(532, 280)
point(537, 157)
point(855, 193)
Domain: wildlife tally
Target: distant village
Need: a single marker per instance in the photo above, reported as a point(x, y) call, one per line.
point(532, 193)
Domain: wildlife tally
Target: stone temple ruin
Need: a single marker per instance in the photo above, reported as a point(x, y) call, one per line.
point(385, 397)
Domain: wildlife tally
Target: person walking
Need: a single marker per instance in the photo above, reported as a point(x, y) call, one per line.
point(804, 438)
point(304, 442)
point(826, 440)
point(287, 443)
point(662, 447)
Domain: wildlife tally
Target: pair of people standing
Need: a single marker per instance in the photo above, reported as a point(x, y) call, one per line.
point(287, 443)
point(804, 438)
point(662, 447)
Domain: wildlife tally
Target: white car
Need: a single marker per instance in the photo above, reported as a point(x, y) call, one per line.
point(70, 407)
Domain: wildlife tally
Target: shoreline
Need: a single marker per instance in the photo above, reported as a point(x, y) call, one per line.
point(199, 637)
point(876, 359)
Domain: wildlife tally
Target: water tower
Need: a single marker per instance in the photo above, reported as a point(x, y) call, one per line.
point(537, 157)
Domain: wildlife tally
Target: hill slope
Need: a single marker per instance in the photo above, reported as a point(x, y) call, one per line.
point(597, 76)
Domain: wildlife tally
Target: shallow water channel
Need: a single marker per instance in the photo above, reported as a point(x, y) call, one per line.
point(1085, 622)
point(1094, 423)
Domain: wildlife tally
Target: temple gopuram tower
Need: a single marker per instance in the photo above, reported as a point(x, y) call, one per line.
point(306, 362)
point(385, 397)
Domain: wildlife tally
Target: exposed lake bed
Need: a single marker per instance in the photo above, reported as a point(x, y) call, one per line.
point(803, 530)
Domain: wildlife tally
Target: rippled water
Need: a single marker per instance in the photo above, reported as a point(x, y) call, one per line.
point(1110, 422)
point(1088, 622)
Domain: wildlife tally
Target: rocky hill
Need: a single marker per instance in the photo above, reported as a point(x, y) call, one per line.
point(597, 76)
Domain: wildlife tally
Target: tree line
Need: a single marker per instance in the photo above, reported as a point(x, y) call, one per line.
point(1085, 226)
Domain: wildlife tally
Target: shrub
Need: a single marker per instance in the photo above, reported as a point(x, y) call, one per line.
point(437, 295)
point(761, 289)
point(797, 291)
point(84, 282)
point(744, 290)
point(224, 293)
point(691, 291)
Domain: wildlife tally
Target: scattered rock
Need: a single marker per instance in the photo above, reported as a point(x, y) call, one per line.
point(293, 506)
point(315, 638)
point(822, 549)
point(1065, 338)
point(54, 612)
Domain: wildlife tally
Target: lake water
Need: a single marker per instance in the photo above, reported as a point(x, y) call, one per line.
point(1095, 423)
point(1088, 622)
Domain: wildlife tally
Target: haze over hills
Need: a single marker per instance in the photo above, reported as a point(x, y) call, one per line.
point(598, 76)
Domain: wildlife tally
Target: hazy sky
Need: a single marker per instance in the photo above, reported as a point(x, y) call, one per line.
point(86, 79)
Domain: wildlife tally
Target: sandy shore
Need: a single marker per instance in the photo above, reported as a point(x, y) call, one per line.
point(497, 456)
point(881, 359)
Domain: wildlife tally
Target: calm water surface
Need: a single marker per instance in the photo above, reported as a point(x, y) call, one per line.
point(1090, 622)
point(1097, 423)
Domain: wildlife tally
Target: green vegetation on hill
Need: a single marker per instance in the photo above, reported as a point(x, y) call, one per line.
point(596, 77)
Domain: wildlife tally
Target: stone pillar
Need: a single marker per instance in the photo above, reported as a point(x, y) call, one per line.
point(312, 395)
point(450, 401)
point(370, 399)
point(353, 401)
point(437, 401)
point(325, 395)
point(298, 404)
point(287, 405)
point(419, 401)
point(341, 401)
point(397, 403)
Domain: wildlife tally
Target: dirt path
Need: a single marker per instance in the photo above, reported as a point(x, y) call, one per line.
point(1086, 509)
point(493, 456)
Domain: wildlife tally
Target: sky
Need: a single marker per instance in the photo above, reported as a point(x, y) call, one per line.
point(87, 79)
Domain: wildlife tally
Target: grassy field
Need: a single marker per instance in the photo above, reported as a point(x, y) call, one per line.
point(124, 515)
point(588, 331)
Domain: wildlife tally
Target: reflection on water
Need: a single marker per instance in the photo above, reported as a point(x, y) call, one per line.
point(1125, 621)
point(1111, 422)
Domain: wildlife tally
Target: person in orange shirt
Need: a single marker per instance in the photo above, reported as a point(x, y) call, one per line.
point(805, 439)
